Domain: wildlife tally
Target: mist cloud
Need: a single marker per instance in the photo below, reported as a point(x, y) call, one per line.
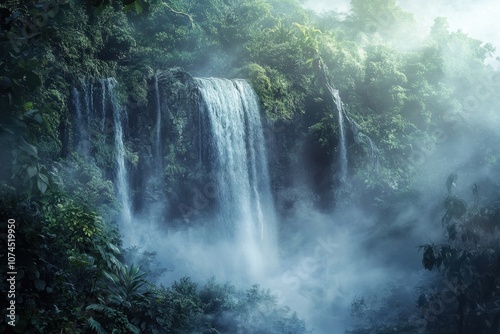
point(478, 19)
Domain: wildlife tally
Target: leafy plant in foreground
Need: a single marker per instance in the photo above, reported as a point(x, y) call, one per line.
point(469, 301)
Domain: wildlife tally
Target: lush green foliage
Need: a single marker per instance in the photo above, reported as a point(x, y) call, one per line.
point(72, 278)
point(400, 97)
point(215, 308)
point(405, 93)
point(467, 301)
point(61, 255)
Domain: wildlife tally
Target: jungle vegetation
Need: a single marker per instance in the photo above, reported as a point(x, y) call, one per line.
point(406, 91)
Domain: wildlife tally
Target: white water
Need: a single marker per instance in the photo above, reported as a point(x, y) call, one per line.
point(103, 103)
point(343, 145)
point(122, 185)
point(157, 143)
point(359, 137)
point(81, 124)
point(245, 206)
point(88, 93)
point(86, 109)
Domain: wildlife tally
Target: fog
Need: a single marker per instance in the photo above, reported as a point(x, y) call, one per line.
point(478, 19)
point(332, 264)
point(346, 267)
point(202, 184)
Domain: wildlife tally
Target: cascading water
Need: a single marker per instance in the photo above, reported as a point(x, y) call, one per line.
point(103, 103)
point(88, 91)
point(81, 124)
point(343, 147)
point(359, 137)
point(123, 191)
point(87, 115)
point(246, 210)
point(151, 205)
point(157, 142)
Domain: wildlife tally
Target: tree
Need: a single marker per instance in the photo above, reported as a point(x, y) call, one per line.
point(469, 299)
point(381, 18)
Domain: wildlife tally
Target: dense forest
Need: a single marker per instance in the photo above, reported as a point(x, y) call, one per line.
point(246, 166)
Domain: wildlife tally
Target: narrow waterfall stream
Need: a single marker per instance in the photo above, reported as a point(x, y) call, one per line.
point(343, 146)
point(122, 183)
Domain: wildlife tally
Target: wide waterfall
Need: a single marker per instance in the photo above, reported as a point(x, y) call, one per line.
point(245, 204)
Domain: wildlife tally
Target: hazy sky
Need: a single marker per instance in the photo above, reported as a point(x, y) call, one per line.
point(477, 18)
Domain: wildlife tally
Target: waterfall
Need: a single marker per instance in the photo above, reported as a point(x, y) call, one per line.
point(359, 137)
point(81, 125)
point(103, 103)
point(157, 142)
point(343, 148)
point(88, 88)
point(239, 163)
point(122, 185)
point(87, 116)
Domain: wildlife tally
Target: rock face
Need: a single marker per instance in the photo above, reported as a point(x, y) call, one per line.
point(166, 137)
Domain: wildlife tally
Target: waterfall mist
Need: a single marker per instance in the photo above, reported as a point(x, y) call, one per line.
point(327, 265)
point(365, 179)
point(319, 263)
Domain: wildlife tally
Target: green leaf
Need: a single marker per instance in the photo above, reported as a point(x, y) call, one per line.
point(28, 148)
point(133, 328)
point(138, 7)
point(28, 106)
point(129, 7)
point(32, 63)
point(115, 249)
point(31, 170)
point(110, 276)
point(96, 326)
point(42, 185)
point(44, 178)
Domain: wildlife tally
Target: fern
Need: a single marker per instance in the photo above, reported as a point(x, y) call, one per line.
point(95, 325)
point(133, 328)
point(108, 311)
